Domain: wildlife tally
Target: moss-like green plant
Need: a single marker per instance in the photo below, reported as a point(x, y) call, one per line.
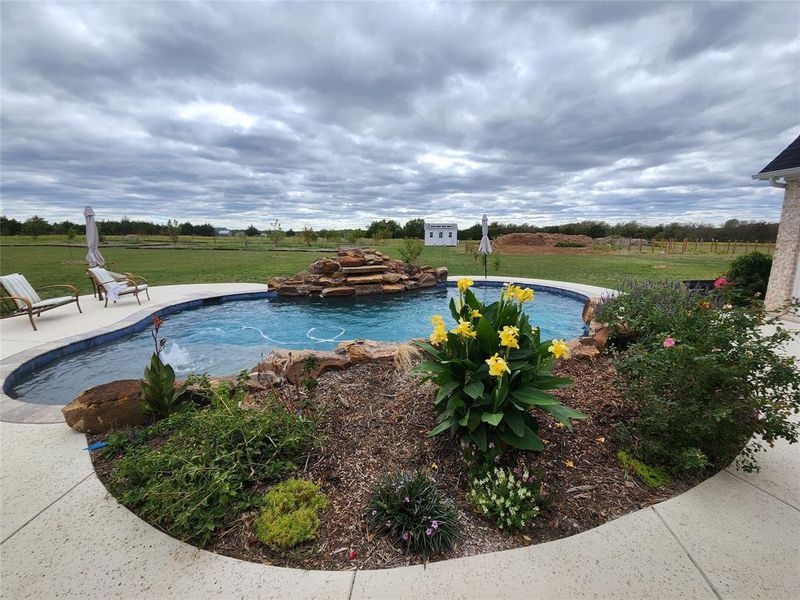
point(654, 477)
point(290, 514)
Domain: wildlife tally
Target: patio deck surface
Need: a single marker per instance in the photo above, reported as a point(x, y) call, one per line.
point(734, 536)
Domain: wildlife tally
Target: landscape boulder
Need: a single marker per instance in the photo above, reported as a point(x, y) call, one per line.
point(106, 407)
point(362, 351)
point(291, 363)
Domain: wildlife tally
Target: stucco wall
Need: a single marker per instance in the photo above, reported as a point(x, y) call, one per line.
point(784, 266)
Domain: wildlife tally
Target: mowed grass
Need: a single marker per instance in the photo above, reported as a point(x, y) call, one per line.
point(45, 265)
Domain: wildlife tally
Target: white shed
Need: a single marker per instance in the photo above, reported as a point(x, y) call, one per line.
point(441, 234)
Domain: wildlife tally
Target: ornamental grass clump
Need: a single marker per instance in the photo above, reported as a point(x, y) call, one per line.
point(510, 501)
point(290, 514)
point(492, 368)
point(409, 508)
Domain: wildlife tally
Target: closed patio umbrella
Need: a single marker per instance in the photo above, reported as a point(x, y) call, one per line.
point(486, 246)
point(93, 256)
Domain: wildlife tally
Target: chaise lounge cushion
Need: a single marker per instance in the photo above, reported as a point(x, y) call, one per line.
point(16, 285)
point(53, 301)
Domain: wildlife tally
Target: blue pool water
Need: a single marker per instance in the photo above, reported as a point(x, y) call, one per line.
point(223, 339)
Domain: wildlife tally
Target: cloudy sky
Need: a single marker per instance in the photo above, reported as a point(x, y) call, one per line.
point(334, 114)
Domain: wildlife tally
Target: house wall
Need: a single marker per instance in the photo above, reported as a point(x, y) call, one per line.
point(439, 235)
point(785, 269)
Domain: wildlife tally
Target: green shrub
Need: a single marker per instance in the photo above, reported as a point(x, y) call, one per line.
point(290, 514)
point(508, 500)
point(706, 387)
point(654, 477)
point(491, 370)
point(206, 462)
point(410, 509)
point(748, 277)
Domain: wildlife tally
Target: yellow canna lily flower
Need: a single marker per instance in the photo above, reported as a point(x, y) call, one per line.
point(476, 314)
point(438, 335)
point(497, 366)
point(559, 349)
point(524, 295)
point(437, 320)
point(509, 336)
point(464, 284)
point(510, 293)
point(464, 329)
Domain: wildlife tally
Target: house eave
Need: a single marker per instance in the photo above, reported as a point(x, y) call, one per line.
point(773, 175)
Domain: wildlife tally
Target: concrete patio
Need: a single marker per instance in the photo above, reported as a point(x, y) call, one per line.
point(735, 536)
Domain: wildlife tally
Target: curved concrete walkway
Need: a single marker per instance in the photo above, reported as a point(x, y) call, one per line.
point(62, 536)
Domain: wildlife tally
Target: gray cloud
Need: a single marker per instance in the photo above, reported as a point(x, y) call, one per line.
point(336, 114)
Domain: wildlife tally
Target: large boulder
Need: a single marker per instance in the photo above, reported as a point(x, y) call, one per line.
point(105, 407)
point(441, 274)
point(291, 363)
point(392, 277)
point(426, 279)
point(324, 266)
point(339, 291)
point(393, 288)
point(362, 351)
point(350, 261)
point(582, 349)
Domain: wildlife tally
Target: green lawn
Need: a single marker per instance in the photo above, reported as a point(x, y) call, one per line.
point(44, 265)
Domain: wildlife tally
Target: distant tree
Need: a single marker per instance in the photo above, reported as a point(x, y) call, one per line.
point(411, 249)
point(275, 233)
point(35, 226)
point(173, 230)
point(187, 229)
point(353, 235)
point(10, 226)
point(251, 231)
point(205, 230)
point(391, 226)
point(381, 233)
point(415, 228)
point(309, 235)
point(290, 233)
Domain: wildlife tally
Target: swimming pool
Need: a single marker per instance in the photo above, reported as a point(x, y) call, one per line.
point(224, 338)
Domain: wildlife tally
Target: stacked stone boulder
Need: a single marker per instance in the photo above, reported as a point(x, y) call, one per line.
point(358, 272)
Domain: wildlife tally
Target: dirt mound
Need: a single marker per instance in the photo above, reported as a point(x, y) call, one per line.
point(541, 239)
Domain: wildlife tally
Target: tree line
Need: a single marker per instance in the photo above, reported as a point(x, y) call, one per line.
point(733, 230)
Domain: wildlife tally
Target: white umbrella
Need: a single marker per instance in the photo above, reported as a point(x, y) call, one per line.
point(93, 256)
point(486, 246)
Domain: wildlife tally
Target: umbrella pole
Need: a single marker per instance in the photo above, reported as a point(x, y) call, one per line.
point(485, 276)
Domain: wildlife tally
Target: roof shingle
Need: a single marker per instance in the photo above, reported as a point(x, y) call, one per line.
point(788, 159)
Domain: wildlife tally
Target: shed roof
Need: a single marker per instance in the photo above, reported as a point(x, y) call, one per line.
point(786, 163)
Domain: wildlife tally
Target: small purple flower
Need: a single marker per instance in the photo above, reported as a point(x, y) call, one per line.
point(406, 500)
point(491, 444)
point(429, 532)
point(405, 536)
point(374, 512)
point(388, 524)
point(434, 524)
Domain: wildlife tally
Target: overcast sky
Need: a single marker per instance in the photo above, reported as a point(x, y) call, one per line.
point(337, 114)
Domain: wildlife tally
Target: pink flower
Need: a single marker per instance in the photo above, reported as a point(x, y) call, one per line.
point(718, 283)
point(429, 532)
point(406, 500)
point(405, 536)
point(434, 524)
point(669, 342)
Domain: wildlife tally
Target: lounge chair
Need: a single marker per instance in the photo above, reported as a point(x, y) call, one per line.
point(111, 267)
point(114, 287)
point(23, 299)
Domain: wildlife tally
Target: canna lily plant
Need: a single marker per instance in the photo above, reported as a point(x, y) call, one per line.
point(492, 370)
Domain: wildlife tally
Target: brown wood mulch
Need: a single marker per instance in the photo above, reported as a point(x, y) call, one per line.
point(374, 420)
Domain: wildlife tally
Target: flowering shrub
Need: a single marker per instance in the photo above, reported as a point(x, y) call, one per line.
point(491, 369)
point(705, 381)
point(160, 396)
point(290, 514)
point(510, 501)
point(411, 509)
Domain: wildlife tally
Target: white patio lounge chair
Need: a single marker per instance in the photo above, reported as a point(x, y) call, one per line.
point(22, 299)
point(113, 287)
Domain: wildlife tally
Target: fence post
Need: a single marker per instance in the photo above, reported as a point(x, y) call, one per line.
point(641, 241)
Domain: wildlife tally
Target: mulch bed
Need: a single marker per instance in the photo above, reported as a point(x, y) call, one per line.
point(375, 420)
